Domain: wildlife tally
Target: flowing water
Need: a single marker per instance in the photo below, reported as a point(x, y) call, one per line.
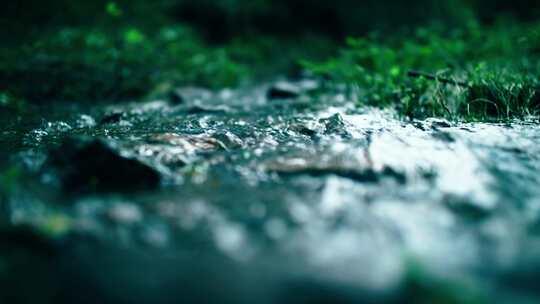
point(232, 197)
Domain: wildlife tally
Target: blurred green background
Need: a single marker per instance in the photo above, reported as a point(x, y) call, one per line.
point(224, 19)
point(103, 50)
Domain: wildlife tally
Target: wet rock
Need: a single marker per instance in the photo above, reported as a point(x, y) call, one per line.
point(125, 214)
point(194, 100)
point(94, 165)
point(419, 125)
point(514, 150)
point(309, 85)
point(35, 137)
point(465, 208)
point(228, 139)
point(320, 167)
point(150, 106)
point(169, 156)
point(85, 121)
point(306, 127)
point(434, 124)
point(283, 90)
point(174, 151)
point(437, 123)
point(112, 118)
point(443, 136)
point(304, 130)
point(188, 94)
point(57, 127)
point(190, 143)
point(334, 125)
point(154, 235)
point(364, 176)
point(175, 99)
point(199, 108)
point(429, 174)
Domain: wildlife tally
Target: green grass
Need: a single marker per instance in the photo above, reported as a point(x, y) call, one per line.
point(472, 73)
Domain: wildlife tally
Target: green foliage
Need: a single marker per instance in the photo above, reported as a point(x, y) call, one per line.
point(106, 63)
point(133, 36)
point(116, 50)
point(97, 64)
point(475, 72)
point(113, 10)
point(502, 93)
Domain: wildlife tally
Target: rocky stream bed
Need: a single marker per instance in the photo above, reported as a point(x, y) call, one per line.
point(267, 196)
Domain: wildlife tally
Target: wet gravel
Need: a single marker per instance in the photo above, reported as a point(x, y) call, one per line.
point(299, 199)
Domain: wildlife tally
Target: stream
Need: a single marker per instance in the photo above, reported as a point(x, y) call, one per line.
point(240, 196)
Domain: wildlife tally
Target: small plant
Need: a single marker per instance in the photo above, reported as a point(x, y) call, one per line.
point(469, 73)
point(502, 94)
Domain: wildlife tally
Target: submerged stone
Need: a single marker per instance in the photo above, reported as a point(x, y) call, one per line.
point(90, 165)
